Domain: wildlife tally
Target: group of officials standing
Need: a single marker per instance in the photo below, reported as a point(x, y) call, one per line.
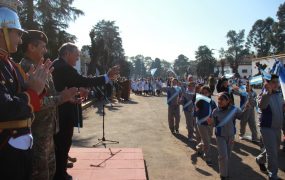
point(39, 101)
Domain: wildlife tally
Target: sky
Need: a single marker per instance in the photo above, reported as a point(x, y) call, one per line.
point(167, 28)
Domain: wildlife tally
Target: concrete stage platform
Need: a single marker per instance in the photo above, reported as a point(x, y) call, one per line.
point(108, 164)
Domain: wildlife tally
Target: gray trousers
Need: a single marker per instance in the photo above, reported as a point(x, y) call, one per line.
point(271, 140)
point(189, 123)
point(225, 146)
point(205, 133)
point(173, 117)
point(248, 117)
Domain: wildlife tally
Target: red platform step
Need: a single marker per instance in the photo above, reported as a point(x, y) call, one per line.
point(108, 164)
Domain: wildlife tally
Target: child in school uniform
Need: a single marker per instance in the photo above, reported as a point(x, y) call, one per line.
point(146, 87)
point(270, 104)
point(224, 117)
point(187, 101)
point(203, 113)
point(247, 105)
point(173, 96)
point(197, 134)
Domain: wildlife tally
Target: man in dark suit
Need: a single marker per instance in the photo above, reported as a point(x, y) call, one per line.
point(66, 76)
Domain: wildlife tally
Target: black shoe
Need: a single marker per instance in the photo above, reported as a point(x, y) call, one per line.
point(69, 165)
point(262, 167)
point(67, 177)
point(177, 131)
point(209, 163)
point(73, 160)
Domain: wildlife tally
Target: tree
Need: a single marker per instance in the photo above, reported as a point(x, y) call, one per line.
point(139, 66)
point(260, 36)
point(52, 17)
point(278, 31)
point(236, 48)
point(192, 68)
point(156, 64)
point(148, 62)
point(85, 58)
point(206, 61)
point(181, 65)
point(165, 65)
point(106, 48)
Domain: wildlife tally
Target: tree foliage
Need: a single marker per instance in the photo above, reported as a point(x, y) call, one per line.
point(106, 48)
point(181, 65)
point(261, 35)
point(52, 17)
point(278, 40)
point(206, 61)
point(236, 48)
point(139, 66)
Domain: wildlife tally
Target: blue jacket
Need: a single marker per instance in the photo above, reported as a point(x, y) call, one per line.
point(270, 110)
point(203, 111)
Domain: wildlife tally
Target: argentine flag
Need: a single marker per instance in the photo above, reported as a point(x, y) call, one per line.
point(278, 69)
point(256, 80)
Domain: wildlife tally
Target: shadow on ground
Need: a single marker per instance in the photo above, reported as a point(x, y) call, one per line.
point(235, 161)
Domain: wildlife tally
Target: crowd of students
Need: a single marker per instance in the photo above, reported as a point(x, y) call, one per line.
point(205, 116)
point(147, 86)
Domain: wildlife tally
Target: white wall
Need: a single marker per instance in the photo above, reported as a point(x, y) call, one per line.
point(269, 62)
point(228, 70)
point(245, 70)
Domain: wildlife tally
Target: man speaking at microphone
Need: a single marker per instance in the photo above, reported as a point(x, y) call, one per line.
point(65, 75)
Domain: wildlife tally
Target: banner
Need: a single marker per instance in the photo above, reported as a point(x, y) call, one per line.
point(256, 80)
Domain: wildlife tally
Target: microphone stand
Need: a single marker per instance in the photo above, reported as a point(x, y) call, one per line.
point(103, 140)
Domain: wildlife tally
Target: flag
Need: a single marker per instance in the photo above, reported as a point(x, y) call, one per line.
point(256, 80)
point(152, 71)
point(265, 74)
point(278, 69)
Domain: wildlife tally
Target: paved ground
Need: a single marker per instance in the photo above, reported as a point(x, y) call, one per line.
point(142, 123)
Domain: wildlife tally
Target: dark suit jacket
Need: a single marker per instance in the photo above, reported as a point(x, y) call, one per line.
point(65, 75)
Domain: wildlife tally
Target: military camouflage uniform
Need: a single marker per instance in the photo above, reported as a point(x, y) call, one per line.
point(44, 127)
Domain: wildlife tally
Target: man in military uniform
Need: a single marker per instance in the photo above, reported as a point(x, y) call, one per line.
point(19, 98)
point(65, 75)
point(46, 120)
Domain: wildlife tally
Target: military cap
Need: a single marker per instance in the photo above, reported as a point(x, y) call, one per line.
point(33, 35)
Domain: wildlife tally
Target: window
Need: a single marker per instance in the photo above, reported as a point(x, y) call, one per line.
point(244, 71)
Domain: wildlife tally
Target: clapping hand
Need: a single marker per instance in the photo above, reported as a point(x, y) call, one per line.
point(38, 75)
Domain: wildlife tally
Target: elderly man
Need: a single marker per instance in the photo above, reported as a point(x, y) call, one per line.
point(64, 75)
point(46, 120)
point(20, 96)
